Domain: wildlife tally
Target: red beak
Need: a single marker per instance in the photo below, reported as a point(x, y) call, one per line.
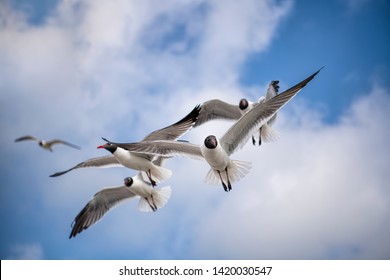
point(101, 147)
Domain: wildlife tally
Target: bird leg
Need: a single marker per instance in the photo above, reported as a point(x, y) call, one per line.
point(253, 140)
point(260, 136)
point(228, 180)
point(149, 174)
point(152, 204)
point(223, 183)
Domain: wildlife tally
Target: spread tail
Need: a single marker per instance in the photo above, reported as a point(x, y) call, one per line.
point(158, 174)
point(269, 134)
point(237, 169)
point(157, 200)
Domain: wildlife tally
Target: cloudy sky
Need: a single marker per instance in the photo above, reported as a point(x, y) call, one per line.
point(83, 69)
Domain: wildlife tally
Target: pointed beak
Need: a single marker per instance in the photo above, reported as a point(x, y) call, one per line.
point(101, 147)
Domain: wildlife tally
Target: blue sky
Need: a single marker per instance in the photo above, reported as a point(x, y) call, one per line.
point(80, 70)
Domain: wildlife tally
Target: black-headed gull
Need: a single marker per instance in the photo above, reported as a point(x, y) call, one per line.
point(217, 151)
point(218, 109)
point(171, 132)
point(103, 201)
point(47, 145)
point(138, 161)
point(265, 133)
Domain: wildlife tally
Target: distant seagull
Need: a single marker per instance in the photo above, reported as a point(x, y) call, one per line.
point(216, 152)
point(171, 132)
point(151, 199)
point(47, 145)
point(265, 133)
point(218, 109)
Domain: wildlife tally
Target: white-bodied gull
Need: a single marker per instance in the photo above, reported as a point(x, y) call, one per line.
point(47, 145)
point(150, 199)
point(217, 151)
point(140, 161)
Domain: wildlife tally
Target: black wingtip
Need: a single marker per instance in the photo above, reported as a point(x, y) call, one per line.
point(192, 116)
point(106, 140)
point(318, 71)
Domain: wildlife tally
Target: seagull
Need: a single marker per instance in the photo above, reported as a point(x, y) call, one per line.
point(138, 161)
point(103, 201)
point(171, 132)
point(47, 145)
point(265, 133)
point(218, 109)
point(217, 151)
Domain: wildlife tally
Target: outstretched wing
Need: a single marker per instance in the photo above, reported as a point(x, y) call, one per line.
point(104, 161)
point(217, 109)
point(166, 148)
point(58, 141)
point(26, 137)
point(98, 206)
point(238, 134)
point(177, 129)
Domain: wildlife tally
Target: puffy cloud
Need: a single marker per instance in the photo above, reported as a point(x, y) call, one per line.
point(319, 192)
point(95, 69)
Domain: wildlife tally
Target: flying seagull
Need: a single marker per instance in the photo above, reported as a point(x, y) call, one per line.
point(171, 132)
point(218, 109)
point(150, 199)
point(47, 145)
point(265, 133)
point(217, 151)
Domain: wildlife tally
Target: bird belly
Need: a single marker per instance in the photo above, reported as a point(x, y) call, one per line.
point(132, 161)
point(216, 158)
point(142, 190)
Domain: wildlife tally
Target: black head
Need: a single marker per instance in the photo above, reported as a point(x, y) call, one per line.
point(243, 104)
point(275, 85)
point(109, 147)
point(128, 181)
point(211, 142)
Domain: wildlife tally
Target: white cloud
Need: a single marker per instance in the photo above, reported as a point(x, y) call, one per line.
point(96, 69)
point(319, 192)
point(97, 63)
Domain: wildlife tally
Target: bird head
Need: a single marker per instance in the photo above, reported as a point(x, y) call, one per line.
point(108, 146)
point(211, 142)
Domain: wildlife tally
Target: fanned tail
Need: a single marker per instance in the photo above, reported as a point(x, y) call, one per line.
point(159, 198)
point(269, 134)
point(158, 173)
point(237, 169)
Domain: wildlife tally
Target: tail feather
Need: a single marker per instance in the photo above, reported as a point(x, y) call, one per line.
point(159, 174)
point(237, 169)
point(160, 198)
point(269, 134)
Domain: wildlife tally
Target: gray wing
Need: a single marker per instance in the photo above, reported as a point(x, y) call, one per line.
point(177, 129)
point(26, 137)
point(273, 90)
point(58, 141)
point(166, 148)
point(217, 109)
point(98, 206)
point(104, 161)
point(238, 134)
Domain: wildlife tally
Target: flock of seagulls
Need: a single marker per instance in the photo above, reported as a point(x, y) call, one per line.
point(251, 120)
